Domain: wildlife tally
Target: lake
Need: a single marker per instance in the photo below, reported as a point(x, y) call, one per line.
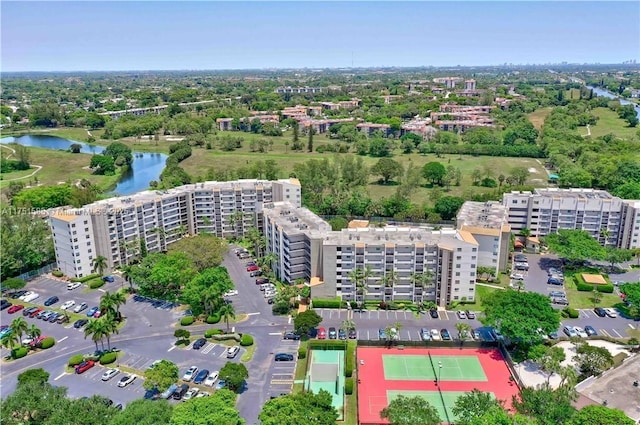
point(145, 168)
point(605, 93)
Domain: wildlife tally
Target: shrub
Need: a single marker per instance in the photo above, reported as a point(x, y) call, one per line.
point(302, 353)
point(571, 312)
point(95, 283)
point(280, 308)
point(211, 332)
point(332, 303)
point(57, 273)
point(348, 386)
point(327, 344)
point(19, 353)
point(48, 342)
point(246, 340)
point(225, 337)
point(213, 319)
point(76, 360)
point(108, 358)
point(350, 361)
point(187, 320)
point(86, 278)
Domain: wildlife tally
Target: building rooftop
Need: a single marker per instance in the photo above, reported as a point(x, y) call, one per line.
point(394, 235)
point(295, 220)
point(487, 215)
point(573, 193)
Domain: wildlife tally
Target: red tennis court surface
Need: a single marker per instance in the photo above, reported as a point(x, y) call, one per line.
point(373, 386)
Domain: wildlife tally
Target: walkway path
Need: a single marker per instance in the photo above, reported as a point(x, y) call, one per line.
point(490, 286)
point(38, 167)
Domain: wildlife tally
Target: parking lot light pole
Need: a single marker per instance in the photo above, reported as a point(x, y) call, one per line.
point(439, 373)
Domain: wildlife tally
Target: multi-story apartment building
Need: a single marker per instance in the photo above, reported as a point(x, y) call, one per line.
point(119, 227)
point(488, 223)
point(546, 211)
point(630, 230)
point(298, 90)
point(410, 263)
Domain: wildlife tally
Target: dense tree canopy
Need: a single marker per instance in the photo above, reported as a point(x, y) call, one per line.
point(204, 292)
point(26, 244)
point(234, 374)
point(575, 245)
point(549, 407)
point(219, 409)
point(161, 376)
point(306, 320)
point(632, 296)
point(204, 250)
point(472, 405)
point(600, 415)
point(144, 412)
point(404, 410)
point(300, 408)
point(162, 275)
point(387, 168)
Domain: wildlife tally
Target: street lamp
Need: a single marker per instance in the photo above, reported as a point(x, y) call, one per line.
point(439, 372)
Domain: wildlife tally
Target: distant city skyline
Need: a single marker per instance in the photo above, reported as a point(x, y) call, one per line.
point(119, 36)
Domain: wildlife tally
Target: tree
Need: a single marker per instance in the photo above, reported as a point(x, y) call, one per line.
point(549, 407)
point(520, 175)
point(102, 165)
point(499, 416)
point(296, 145)
point(36, 376)
point(219, 408)
point(75, 148)
point(631, 292)
point(574, 245)
point(551, 361)
point(204, 292)
point(161, 376)
point(34, 332)
point(144, 412)
point(473, 404)
point(227, 312)
point(404, 410)
point(120, 153)
point(463, 329)
point(19, 326)
point(234, 374)
point(162, 275)
point(110, 303)
point(387, 168)
point(181, 335)
point(306, 320)
point(97, 331)
point(448, 206)
point(310, 139)
point(599, 415)
point(593, 360)
point(299, 408)
point(434, 172)
point(32, 403)
point(12, 283)
point(83, 411)
point(99, 264)
point(519, 315)
point(616, 256)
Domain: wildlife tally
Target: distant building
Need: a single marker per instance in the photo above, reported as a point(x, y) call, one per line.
point(224, 124)
point(370, 128)
point(470, 85)
point(298, 90)
point(419, 126)
point(114, 115)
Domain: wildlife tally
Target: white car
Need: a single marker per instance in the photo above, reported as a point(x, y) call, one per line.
point(611, 312)
point(31, 297)
point(110, 373)
point(269, 294)
point(190, 394)
point(232, 351)
point(68, 304)
point(231, 293)
point(126, 380)
point(517, 276)
point(461, 314)
point(26, 294)
point(27, 341)
point(73, 285)
point(190, 374)
point(80, 307)
point(435, 335)
point(203, 394)
point(211, 379)
point(581, 332)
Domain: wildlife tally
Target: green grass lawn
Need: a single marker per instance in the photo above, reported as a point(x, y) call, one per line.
point(609, 122)
point(537, 117)
point(584, 299)
point(481, 292)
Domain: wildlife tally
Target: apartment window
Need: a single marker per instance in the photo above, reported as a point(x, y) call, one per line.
point(75, 233)
point(73, 225)
point(456, 289)
point(87, 236)
point(457, 266)
point(455, 297)
point(457, 281)
point(86, 222)
point(474, 249)
point(78, 261)
point(88, 243)
point(459, 249)
point(515, 201)
point(459, 257)
point(473, 257)
point(86, 229)
point(457, 273)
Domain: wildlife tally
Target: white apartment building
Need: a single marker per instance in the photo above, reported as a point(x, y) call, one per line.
point(395, 258)
point(545, 211)
point(630, 230)
point(488, 223)
point(120, 228)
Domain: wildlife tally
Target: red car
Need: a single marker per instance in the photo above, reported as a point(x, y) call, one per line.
point(34, 313)
point(252, 268)
point(37, 341)
point(322, 333)
point(84, 366)
point(15, 308)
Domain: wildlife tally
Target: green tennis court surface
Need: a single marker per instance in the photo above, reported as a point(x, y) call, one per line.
point(433, 398)
point(420, 368)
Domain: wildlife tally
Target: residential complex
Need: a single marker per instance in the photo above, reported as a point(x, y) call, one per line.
point(118, 228)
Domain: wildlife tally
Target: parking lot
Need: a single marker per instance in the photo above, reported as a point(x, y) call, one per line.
point(281, 374)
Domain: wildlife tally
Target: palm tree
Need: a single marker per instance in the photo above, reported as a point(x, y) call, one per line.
point(398, 326)
point(267, 261)
point(256, 239)
point(18, 327)
point(227, 312)
point(110, 327)
point(97, 331)
point(161, 233)
point(389, 280)
point(34, 332)
point(360, 277)
point(210, 300)
point(348, 324)
point(462, 328)
point(99, 264)
point(107, 305)
point(236, 217)
point(605, 234)
point(10, 341)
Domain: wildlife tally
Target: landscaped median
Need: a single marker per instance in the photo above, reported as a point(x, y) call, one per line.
point(103, 358)
point(41, 343)
point(582, 295)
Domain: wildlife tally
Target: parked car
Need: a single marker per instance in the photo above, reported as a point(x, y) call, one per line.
point(152, 394)
point(570, 331)
point(446, 336)
point(291, 335)
point(470, 314)
point(4, 330)
point(353, 334)
point(80, 307)
point(80, 323)
point(262, 280)
point(332, 333)
point(109, 279)
point(434, 313)
point(190, 394)
point(554, 335)
point(599, 311)
point(559, 301)
point(93, 311)
point(180, 392)
point(54, 317)
point(322, 333)
point(15, 308)
point(342, 334)
point(557, 294)
point(203, 394)
point(269, 294)
point(84, 366)
point(553, 271)
point(521, 266)
point(17, 294)
point(230, 293)
point(284, 357)
point(36, 312)
point(199, 343)
point(31, 297)
point(590, 330)
point(461, 314)
point(554, 281)
point(63, 318)
point(475, 335)
point(73, 285)
point(22, 294)
point(435, 335)
point(4, 304)
point(520, 258)
point(28, 311)
point(221, 384)
point(517, 276)
point(109, 373)
point(51, 301)
point(233, 351)
point(67, 305)
point(611, 312)
point(169, 392)
point(424, 334)
point(382, 334)
point(211, 379)
point(256, 273)
point(581, 332)
point(190, 373)
point(253, 268)
point(201, 376)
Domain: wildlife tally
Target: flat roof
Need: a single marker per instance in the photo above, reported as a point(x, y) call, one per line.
point(489, 215)
point(65, 216)
point(573, 193)
point(295, 220)
point(395, 236)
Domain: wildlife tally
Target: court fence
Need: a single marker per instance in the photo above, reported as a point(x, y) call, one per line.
point(427, 344)
point(511, 365)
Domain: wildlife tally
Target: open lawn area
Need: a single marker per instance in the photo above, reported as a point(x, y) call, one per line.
point(609, 122)
point(481, 292)
point(71, 133)
point(584, 299)
point(537, 117)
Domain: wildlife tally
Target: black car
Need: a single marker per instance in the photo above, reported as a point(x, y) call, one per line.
point(200, 342)
point(352, 334)
point(332, 333)
point(4, 304)
point(434, 314)
point(445, 335)
point(600, 311)
point(28, 311)
point(262, 280)
point(51, 301)
point(284, 357)
point(53, 317)
point(180, 392)
point(342, 334)
point(80, 323)
point(291, 335)
point(271, 300)
point(17, 294)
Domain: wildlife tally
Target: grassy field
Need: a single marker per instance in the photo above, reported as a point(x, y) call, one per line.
point(584, 299)
point(609, 122)
point(71, 133)
point(58, 167)
point(537, 117)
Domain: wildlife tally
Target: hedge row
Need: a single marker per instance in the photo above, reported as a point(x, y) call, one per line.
point(108, 358)
point(302, 353)
point(572, 313)
point(86, 278)
point(211, 332)
point(246, 340)
point(187, 320)
point(213, 319)
point(95, 283)
point(581, 285)
point(350, 361)
point(57, 273)
point(348, 386)
point(326, 344)
point(76, 360)
point(48, 342)
point(331, 303)
point(225, 337)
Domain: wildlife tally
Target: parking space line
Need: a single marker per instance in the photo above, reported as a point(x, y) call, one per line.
point(631, 326)
point(173, 347)
point(617, 333)
point(59, 376)
point(605, 332)
point(62, 339)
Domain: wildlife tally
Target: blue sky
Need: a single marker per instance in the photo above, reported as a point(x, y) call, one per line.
point(73, 36)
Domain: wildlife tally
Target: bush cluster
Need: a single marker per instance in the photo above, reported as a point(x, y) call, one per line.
point(48, 342)
point(224, 337)
point(572, 313)
point(108, 358)
point(211, 332)
point(302, 353)
point(85, 279)
point(348, 386)
point(187, 320)
point(19, 353)
point(57, 273)
point(246, 340)
point(333, 303)
point(95, 283)
point(350, 361)
point(326, 344)
point(76, 360)
point(213, 319)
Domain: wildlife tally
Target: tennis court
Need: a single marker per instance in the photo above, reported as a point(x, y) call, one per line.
point(385, 373)
point(430, 368)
